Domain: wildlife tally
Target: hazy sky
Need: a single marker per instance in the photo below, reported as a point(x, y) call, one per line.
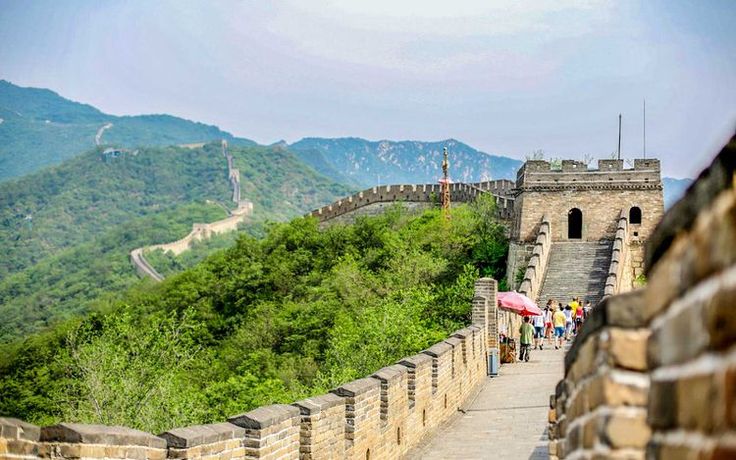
point(507, 77)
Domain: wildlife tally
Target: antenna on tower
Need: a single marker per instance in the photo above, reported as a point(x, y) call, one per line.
point(645, 128)
point(619, 136)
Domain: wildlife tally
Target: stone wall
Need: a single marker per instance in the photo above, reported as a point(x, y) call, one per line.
point(379, 417)
point(203, 231)
point(600, 194)
point(619, 278)
point(537, 265)
point(426, 193)
point(653, 372)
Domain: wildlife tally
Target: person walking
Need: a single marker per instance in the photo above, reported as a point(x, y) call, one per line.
point(587, 309)
point(558, 319)
point(568, 321)
point(579, 316)
point(526, 332)
point(538, 323)
point(549, 330)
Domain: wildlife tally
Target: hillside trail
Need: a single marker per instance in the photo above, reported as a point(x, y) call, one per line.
point(508, 417)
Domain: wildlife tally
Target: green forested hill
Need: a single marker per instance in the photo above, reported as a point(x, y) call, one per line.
point(66, 231)
point(39, 128)
point(268, 320)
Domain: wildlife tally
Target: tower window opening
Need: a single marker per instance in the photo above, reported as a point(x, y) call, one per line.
point(574, 224)
point(635, 215)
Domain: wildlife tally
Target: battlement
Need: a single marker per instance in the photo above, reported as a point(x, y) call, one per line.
point(539, 174)
point(420, 193)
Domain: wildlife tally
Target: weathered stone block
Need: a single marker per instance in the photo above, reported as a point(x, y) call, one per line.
point(100, 434)
point(628, 348)
point(626, 429)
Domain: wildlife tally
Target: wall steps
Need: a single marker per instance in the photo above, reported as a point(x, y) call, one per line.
point(576, 269)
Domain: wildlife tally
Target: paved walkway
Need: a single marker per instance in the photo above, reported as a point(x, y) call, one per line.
point(508, 418)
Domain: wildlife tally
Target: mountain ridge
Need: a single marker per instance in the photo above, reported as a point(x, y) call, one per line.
point(41, 128)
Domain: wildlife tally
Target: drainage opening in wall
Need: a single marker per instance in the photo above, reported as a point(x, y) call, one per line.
point(424, 417)
point(445, 401)
point(368, 454)
point(398, 435)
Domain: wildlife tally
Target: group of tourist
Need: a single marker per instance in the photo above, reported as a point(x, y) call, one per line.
point(556, 324)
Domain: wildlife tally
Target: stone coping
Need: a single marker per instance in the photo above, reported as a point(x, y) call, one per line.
point(453, 341)
point(681, 216)
point(316, 404)
point(357, 387)
point(416, 361)
point(438, 349)
point(463, 333)
point(265, 416)
point(622, 310)
point(12, 428)
point(391, 373)
point(100, 434)
point(198, 435)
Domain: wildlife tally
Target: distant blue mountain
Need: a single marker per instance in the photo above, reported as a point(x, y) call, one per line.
point(362, 163)
point(39, 128)
point(367, 163)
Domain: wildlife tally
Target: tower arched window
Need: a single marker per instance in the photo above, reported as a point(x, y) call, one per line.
point(574, 224)
point(635, 215)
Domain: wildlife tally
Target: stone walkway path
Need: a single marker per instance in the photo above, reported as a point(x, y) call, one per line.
point(508, 418)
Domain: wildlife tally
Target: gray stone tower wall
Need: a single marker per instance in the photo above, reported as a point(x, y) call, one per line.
point(600, 194)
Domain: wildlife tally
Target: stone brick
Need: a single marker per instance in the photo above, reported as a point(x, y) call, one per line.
point(729, 396)
point(627, 429)
point(618, 388)
point(700, 403)
point(662, 412)
point(682, 336)
point(628, 348)
point(719, 312)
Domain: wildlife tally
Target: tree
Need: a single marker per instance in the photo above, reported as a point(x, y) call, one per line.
point(129, 372)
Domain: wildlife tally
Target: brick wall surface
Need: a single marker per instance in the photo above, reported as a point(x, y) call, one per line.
point(653, 372)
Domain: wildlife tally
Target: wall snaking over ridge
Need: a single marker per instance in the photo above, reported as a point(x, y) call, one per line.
point(425, 193)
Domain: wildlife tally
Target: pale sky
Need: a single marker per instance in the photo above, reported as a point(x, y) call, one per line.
point(507, 77)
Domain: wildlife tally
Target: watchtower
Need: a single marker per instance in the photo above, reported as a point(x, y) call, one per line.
point(585, 204)
point(579, 232)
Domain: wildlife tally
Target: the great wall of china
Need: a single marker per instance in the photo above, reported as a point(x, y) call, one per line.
point(381, 416)
point(199, 231)
point(374, 200)
point(651, 375)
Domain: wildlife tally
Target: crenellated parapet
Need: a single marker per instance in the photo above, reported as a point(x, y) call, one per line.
point(384, 415)
point(539, 175)
point(424, 193)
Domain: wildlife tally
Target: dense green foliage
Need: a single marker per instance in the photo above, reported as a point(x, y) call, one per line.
point(66, 231)
point(268, 320)
point(39, 128)
point(72, 281)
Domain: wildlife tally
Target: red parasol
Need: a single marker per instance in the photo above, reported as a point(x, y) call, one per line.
point(518, 303)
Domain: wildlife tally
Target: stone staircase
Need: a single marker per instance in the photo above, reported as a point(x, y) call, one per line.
point(576, 269)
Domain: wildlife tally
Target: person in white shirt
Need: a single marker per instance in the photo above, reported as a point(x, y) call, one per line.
point(538, 323)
